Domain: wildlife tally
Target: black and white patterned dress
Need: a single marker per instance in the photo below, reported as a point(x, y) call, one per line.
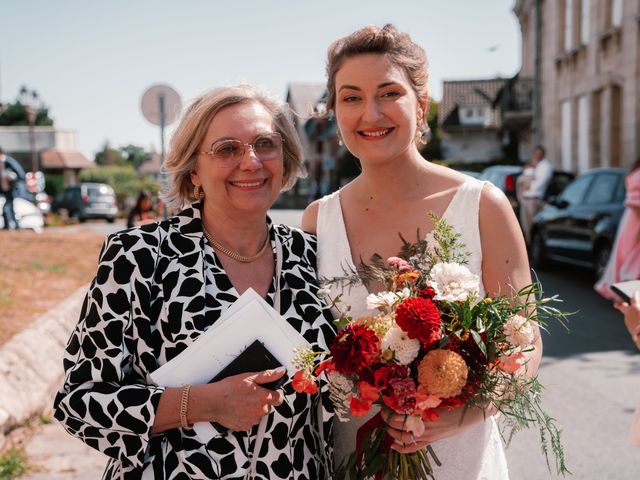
point(158, 287)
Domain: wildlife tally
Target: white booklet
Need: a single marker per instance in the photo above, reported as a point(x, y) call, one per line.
point(250, 318)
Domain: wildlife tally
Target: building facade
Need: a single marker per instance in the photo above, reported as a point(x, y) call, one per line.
point(589, 80)
point(55, 150)
point(469, 120)
point(303, 99)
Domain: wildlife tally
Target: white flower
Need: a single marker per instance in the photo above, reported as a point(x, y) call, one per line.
point(519, 331)
point(381, 300)
point(405, 349)
point(324, 292)
point(340, 390)
point(404, 293)
point(453, 282)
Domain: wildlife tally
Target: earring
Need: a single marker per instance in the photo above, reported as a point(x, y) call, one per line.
point(339, 135)
point(197, 193)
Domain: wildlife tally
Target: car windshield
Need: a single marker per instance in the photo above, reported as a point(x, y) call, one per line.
point(574, 193)
point(99, 190)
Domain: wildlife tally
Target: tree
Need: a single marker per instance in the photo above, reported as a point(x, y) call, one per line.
point(135, 155)
point(129, 155)
point(109, 157)
point(15, 114)
point(433, 149)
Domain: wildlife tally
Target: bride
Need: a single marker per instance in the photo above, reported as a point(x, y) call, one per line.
point(377, 84)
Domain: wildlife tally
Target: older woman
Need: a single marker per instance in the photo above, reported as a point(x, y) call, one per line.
point(159, 286)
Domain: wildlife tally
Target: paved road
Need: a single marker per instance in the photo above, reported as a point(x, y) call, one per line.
point(591, 375)
point(288, 217)
point(592, 380)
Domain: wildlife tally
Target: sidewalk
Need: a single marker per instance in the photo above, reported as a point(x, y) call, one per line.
point(56, 455)
point(30, 374)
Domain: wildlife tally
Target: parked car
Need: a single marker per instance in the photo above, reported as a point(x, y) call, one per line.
point(505, 177)
point(579, 226)
point(88, 200)
point(471, 173)
point(27, 214)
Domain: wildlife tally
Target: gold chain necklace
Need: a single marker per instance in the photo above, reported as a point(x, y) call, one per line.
point(235, 255)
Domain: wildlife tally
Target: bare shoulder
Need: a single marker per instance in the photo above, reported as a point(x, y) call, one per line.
point(495, 206)
point(504, 253)
point(448, 177)
point(310, 217)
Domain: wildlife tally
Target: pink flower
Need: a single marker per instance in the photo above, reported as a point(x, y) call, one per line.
point(510, 363)
point(402, 397)
point(415, 425)
point(400, 263)
point(424, 401)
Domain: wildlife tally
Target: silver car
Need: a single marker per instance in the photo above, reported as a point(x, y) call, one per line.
point(88, 200)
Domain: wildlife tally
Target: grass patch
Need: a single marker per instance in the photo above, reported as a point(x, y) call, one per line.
point(51, 268)
point(45, 419)
point(13, 464)
point(6, 298)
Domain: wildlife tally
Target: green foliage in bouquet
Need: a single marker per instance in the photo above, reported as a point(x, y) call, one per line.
point(434, 300)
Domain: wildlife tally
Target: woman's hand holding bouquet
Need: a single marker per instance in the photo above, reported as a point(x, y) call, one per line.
point(436, 354)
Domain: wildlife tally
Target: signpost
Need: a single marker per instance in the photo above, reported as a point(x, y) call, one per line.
point(161, 106)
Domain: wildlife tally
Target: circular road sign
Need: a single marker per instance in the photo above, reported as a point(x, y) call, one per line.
point(159, 98)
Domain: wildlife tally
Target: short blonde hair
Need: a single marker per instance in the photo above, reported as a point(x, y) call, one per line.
point(193, 127)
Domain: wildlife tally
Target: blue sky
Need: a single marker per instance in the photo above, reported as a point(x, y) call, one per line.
point(92, 60)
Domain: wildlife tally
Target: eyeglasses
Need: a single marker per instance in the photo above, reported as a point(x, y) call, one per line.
point(229, 152)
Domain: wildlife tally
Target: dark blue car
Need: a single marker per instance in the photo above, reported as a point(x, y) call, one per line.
point(579, 225)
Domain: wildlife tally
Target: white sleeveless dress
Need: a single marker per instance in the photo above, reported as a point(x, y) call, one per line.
point(477, 453)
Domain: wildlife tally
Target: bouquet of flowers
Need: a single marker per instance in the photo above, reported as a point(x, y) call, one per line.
point(435, 345)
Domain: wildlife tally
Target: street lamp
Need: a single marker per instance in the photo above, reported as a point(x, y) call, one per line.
point(29, 99)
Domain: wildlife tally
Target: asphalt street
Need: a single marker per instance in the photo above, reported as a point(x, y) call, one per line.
point(591, 376)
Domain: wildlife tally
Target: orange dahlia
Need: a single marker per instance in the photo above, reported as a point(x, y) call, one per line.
point(442, 373)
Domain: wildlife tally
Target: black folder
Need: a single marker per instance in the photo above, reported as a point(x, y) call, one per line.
point(255, 358)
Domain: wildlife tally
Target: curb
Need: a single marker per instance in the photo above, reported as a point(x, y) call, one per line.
point(31, 363)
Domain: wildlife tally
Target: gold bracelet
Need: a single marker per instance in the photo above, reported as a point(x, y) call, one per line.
point(184, 404)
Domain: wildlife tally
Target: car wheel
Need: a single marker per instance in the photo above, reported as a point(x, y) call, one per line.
point(111, 219)
point(538, 254)
point(601, 259)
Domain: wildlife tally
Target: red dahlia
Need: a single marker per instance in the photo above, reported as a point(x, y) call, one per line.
point(427, 292)
point(354, 349)
point(420, 318)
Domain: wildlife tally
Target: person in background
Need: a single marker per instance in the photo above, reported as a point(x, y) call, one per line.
point(7, 183)
point(143, 211)
point(536, 175)
point(632, 321)
point(624, 262)
point(159, 286)
point(632, 317)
